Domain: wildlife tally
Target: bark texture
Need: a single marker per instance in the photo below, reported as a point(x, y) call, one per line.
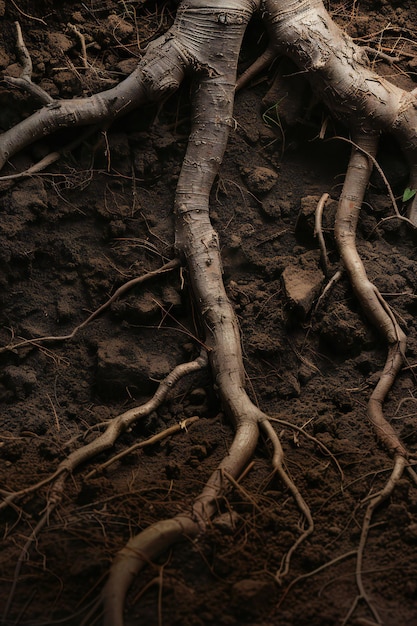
point(205, 41)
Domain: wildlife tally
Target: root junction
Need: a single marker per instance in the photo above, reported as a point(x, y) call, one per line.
point(205, 41)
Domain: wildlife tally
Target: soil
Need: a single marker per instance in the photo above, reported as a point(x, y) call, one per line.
point(103, 215)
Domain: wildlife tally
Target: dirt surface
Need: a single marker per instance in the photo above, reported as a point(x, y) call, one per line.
point(103, 215)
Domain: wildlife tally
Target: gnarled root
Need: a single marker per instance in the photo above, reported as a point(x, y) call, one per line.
point(198, 242)
point(206, 39)
point(105, 441)
point(379, 313)
point(373, 304)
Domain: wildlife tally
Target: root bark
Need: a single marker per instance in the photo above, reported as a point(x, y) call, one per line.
point(205, 40)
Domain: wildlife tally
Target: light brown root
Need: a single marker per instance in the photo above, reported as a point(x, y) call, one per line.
point(373, 304)
point(25, 80)
point(106, 440)
point(319, 443)
point(81, 39)
point(332, 282)
point(141, 550)
point(30, 17)
point(263, 62)
point(168, 267)
point(375, 502)
point(318, 232)
point(277, 463)
point(319, 569)
point(184, 425)
point(377, 310)
point(376, 165)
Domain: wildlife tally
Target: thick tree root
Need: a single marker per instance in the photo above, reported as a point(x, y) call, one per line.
point(197, 240)
point(206, 40)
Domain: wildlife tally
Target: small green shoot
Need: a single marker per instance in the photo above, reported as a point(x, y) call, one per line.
point(408, 194)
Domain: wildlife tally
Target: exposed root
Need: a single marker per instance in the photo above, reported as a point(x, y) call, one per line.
point(184, 425)
point(381, 172)
point(318, 232)
point(314, 572)
point(25, 80)
point(106, 440)
point(376, 500)
point(277, 463)
point(30, 17)
point(168, 267)
point(81, 39)
point(373, 304)
point(263, 62)
point(319, 443)
point(205, 39)
point(332, 282)
point(378, 311)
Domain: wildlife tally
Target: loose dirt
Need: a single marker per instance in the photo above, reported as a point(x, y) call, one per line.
point(103, 215)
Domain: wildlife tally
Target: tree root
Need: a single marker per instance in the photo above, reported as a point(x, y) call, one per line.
point(184, 425)
point(380, 314)
point(134, 282)
point(277, 463)
point(103, 442)
point(106, 440)
point(206, 41)
point(318, 232)
point(375, 501)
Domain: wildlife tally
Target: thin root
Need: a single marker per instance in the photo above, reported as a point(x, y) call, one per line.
point(168, 267)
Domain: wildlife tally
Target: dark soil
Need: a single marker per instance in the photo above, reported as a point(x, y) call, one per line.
point(102, 215)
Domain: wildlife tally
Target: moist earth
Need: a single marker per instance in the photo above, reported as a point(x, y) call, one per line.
point(102, 215)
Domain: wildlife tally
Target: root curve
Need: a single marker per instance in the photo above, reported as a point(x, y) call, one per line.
point(206, 41)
